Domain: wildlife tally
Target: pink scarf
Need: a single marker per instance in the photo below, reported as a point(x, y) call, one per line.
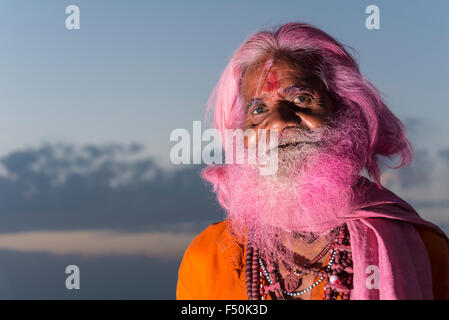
point(388, 252)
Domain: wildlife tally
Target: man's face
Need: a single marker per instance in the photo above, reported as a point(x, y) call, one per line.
point(313, 188)
point(285, 95)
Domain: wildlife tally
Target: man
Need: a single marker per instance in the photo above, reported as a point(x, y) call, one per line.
point(317, 229)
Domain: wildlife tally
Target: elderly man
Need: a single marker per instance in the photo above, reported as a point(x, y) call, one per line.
point(318, 228)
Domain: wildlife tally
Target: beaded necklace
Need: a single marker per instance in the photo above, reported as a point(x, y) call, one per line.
point(304, 270)
point(292, 294)
point(294, 280)
point(338, 272)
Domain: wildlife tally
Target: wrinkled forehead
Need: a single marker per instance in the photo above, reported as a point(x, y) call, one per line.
point(281, 70)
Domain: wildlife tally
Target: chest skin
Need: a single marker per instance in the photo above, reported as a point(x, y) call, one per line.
point(304, 253)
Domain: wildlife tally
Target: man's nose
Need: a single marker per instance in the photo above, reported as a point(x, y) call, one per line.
point(287, 114)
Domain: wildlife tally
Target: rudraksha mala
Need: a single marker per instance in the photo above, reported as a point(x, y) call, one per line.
point(338, 280)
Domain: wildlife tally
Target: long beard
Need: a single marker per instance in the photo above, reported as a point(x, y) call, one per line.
point(311, 191)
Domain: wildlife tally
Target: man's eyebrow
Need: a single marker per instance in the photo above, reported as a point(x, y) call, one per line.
point(253, 102)
point(288, 90)
point(296, 88)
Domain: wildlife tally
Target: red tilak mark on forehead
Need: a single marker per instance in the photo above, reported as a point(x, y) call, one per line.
point(272, 82)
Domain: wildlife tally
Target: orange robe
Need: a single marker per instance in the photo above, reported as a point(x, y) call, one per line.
point(213, 266)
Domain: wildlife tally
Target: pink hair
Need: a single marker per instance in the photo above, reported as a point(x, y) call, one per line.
point(339, 73)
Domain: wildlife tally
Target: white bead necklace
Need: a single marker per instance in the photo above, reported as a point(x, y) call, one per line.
point(294, 294)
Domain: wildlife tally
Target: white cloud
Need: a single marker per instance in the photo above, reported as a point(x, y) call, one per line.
point(4, 173)
point(429, 181)
point(99, 242)
point(62, 160)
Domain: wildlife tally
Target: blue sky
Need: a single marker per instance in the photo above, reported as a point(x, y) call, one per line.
point(138, 69)
point(87, 114)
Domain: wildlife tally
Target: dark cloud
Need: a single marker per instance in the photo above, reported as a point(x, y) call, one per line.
point(417, 129)
point(58, 187)
point(444, 154)
point(419, 173)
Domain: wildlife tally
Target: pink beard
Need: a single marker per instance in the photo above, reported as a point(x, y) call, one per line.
point(311, 192)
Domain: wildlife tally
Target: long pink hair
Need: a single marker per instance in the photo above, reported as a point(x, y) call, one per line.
point(339, 73)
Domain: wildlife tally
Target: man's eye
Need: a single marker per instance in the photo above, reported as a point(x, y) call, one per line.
point(258, 110)
point(302, 99)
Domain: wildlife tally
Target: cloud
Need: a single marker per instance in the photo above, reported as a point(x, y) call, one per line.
point(418, 174)
point(99, 242)
point(424, 185)
point(5, 174)
point(444, 154)
point(426, 180)
point(112, 186)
